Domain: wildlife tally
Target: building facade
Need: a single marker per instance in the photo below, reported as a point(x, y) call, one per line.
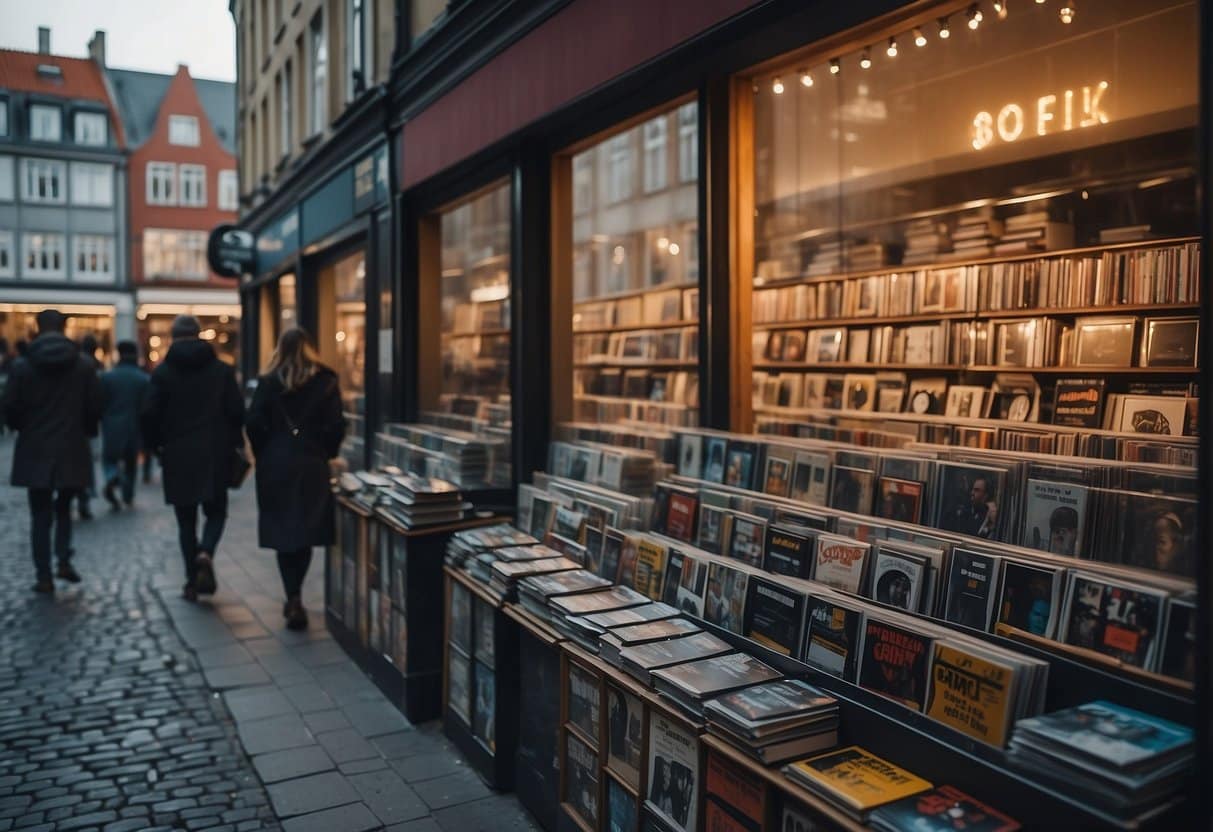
point(181, 164)
point(63, 196)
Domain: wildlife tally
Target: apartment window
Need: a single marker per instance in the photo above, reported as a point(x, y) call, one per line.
point(92, 256)
point(320, 61)
point(91, 129)
point(161, 183)
point(6, 178)
point(619, 168)
point(45, 123)
point(183, 130)
point(172, 254)
point(656, 133)
point(43, 181)
point(193, 185)
point(688, 142)
point(3, 116)
point(357, 28)
point(92, 184)
point(229, 191)
point(43, 255)
point(7, 255)
point(285, 130)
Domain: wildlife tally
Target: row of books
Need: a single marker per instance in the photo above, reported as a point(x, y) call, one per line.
point(475, 316)
point(657, 440)
point(679, 387)
point(658, 305)
point(472, 460)
point(680, 344)
point(630, 470)
point(607, 410)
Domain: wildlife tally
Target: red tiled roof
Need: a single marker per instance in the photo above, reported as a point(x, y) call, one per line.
point(81, 77)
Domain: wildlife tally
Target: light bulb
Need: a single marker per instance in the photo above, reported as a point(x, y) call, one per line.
point(974, 15)
point(806, 79)
point(835, 66)
point(920, 40)
point(1040, 2)
point(1066, 13)
point(892, 50)
point(865, 62)
point(1000, 7)
point(944, 31)
point(777, 87)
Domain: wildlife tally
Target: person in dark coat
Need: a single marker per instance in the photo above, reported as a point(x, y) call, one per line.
point(192, 421)
point(123, 391)
point(52, 400)
point(295, 426)
point(88, 349)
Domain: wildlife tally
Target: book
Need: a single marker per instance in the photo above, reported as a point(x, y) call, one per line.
point(774, 615)
point(789, 550)
point(944, 809)
point(832, 637)
point(641, 661)
point(840, 562)
point(673, 792)
point(972, 578)
point(893, 662)
point(855, 780)
point(689, 684)
point(972, 692)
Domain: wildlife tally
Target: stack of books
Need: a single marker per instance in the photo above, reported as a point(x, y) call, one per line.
point(535, 592)
point(837, 256)
point(1034, 231)
point(976, 235)
point(566, 610)
point(692, 684)
point(855, 780)
point(464, 546)
point(516, 563)
point(424, 501)
point(643, 661)
point(615, 640)
point(587, 629)
point(926, 239)
point(776, 721)
point(1115, 758)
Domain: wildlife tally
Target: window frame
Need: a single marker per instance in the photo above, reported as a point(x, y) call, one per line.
point(688, 143)
point(28, 196)
point(355, 46)
point(286, 141)
point(5, 119)
point(176, 256)
point(655, 138)
point(8, 163)
point(105, 171)
point(318, 61)
point(104, 243)
point(197, 178)
point(27, 249)
point(8, 254)
point(83, 117)
point(170, 168)
point(179, 121)
point(227, 182)
point(42, 106)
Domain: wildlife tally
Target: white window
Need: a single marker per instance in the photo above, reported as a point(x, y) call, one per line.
point(43, 180)
point(161, 183)
point(193, 185)
point(183, 130)
point(355, 29)
point(7, 255)
point(43, 255)
point(285, 131)
point(93, 257)
point(229, 191)
point(656, 133)
point(3, 116)
point(688, 142)
point(91, 128)
point(317, 104)
point(172, 254)
point(45, 123)
point(6, 178)
point(619, 167)
point(92, 184)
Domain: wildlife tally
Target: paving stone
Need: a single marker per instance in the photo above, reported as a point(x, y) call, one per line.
point(427, 824)
point(274, 734)
point(363, 766)
point(257, 703)
point(408, 743)
point(495, 813)
point(346, 745)
point(388, 796)
point(320, 653)
point(320, 721)
point(421, 767)
point(376, 717)
point(308, 697)
point(294, 762)
point(224, 656)
point(237, 676)
point(352, 818)
point(311, 794)
point(461, 787)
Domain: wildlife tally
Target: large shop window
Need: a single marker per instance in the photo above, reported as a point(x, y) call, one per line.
point(628, 237)
point(341, 328)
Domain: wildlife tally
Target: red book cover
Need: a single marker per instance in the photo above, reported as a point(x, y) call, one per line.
point(680, 516)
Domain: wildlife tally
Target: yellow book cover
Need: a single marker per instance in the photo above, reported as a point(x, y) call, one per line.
point(857, 778)
point(971, 693)
point(650, 568)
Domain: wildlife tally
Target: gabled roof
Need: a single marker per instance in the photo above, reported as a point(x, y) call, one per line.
point(219, 101)
point(138, 96)
point(80, 78)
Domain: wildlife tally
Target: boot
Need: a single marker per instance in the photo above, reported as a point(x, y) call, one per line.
point(296, 615)
point(204, 574)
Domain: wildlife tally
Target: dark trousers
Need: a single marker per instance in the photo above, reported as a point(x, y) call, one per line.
point(122, 470)
point(215, 512)
point(292, 566)
point(48, 508)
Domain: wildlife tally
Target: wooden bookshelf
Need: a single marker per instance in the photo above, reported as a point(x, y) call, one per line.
point(624, 294)
point(827, 367)
point(930, 317)
point(606, 330)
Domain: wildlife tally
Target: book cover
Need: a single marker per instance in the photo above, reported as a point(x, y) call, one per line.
point(1055, 517)
point(945, 809)
point(1113, 734)
point(681, 513)
point(744, 795)
point(719, 674)
point(612, 550)
point(839, 562)
point(894, 663)
point(898, 578)
point(789, 550)
point(774, 615)
point(972, 693)
point(665, 653)
point(772, 700)
point(854, 777)
point(1117, 620)
point(686, 581)
point(746, 538)
point(650, 567)
point(673, 773)
point(1028, 599)
point(724, 603)
point(832, 636)
point(972, 577)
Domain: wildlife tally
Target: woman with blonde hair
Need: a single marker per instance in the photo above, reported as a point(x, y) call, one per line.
point(295, 426)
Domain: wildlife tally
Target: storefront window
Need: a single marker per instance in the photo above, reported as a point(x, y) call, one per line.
point(635, 273)
point(945, 210)
point(18, 324)
point(341, 329)
point(220, 327)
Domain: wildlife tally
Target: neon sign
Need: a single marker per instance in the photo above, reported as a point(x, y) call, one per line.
point(1049, 114)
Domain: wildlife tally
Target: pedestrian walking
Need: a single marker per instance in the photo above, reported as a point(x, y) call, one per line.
point(295, 426)
point(52, 400)
point(88, 350)
point(123, 392)
point(192, 421)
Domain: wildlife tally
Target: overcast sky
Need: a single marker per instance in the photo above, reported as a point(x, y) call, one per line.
point(153, 35)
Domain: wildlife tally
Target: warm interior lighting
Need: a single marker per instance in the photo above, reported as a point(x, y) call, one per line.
point(974, 16)
point(892, 50)
point(777, 87)
point(340, 336)
point(944, 31)
point(1066, 13)
point(806, 79)
point(835, 66)
point(865, 62)
point(674, 249)
point(920, 40)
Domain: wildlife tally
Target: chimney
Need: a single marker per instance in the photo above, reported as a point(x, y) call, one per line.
point(44, 40)
point(96, 47)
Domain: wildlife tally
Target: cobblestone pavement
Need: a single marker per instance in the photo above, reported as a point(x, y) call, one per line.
point(122, 707)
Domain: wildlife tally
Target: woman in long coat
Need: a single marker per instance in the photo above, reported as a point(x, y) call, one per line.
point(295, 426)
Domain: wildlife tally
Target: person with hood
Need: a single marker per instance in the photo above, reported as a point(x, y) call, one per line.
point(52, 400)
point(123, 390)
point(88, 349)
point(192, 420)
point(295, 426)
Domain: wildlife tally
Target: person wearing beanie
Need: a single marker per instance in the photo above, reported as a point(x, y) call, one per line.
point(192, 421)
point(52, 400)
point(123, 391)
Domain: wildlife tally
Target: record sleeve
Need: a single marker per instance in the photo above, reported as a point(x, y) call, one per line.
point(714, 528)
point(972, 581)
point(833, 633)
point(649, 657)
point(810, 478)
point(583, 700)
point(899, 500)
point(746, 538)
point(1111, 734)
point(724, 604)
point(625, 724)
point(898, 578)
point(856, 779)
point(771, 701)
point(839, 562)
point(775, 615)
point(685, 582)
point(741, 464)
point(714, 449)
point(853, 489)
point(789, 550)
point(650, 568)
point(894, 663)
point(581, 780)
point(945, 809)
point(690, 455)
point(612, 550)
point(682, 510)
point(720, 674)
point(972, 693)
point(1179, 640)
point(673, 773)
point(1121, 621)
point(969, 499)
point(1055, 516)
point(1028, 599)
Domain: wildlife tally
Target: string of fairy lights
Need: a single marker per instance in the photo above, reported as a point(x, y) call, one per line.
point(973, 17)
